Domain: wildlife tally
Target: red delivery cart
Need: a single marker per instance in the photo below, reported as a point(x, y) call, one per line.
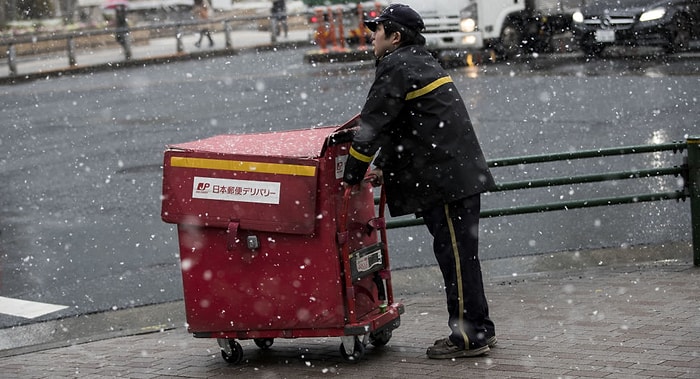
point(271, 245)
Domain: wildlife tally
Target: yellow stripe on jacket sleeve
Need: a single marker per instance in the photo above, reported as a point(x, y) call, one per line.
point(429, 88)
point(359, 156)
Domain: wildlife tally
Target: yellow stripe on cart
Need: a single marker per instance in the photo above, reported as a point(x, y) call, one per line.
point(229, 165)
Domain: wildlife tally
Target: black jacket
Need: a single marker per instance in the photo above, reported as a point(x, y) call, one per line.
point(416, 118)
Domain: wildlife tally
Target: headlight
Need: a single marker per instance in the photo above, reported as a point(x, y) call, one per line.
point(469, 18)
point(467, 25)
point(577, 17)
point(653, 14)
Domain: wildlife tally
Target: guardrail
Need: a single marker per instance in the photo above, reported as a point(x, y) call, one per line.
point(175, 29)
point(689, 170)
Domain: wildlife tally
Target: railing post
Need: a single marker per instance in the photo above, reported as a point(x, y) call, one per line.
point(274, 28)
point(694, 189)
point(12, 59)
point(227, 34)
point(71, 52)
point(178, 38)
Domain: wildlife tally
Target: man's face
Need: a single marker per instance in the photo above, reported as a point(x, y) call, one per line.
point(381, 43)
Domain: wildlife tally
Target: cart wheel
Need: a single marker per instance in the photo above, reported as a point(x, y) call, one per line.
point(264, 343)
point(380, 338)
point(357, 354)
point(236, 355)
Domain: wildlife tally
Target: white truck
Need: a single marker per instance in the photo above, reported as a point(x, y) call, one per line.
point(510, 27)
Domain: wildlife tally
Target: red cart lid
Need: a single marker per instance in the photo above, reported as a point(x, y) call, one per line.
point(305, 143)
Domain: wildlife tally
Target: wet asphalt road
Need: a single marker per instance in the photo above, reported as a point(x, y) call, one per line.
point(80, 169)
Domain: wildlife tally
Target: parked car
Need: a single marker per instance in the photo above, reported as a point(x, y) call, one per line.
point(669, 24)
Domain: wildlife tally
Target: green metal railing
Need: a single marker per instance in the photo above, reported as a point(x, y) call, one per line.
point(689, 170)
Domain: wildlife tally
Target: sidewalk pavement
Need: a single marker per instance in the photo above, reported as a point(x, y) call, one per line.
point(618, 313)
point(157, 50)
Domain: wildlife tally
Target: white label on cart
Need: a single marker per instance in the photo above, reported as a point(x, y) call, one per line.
point(368, 261)
point(340, 165)
point(245, 191)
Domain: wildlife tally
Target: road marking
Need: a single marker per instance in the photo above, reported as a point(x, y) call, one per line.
point(27, 309)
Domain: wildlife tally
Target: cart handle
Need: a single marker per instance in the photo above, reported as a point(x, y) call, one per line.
point(343, 239)
point(342, 232)
point(353, 122)
point(377, 223)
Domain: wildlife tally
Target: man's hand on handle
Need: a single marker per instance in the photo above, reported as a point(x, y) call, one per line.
point(374, 177)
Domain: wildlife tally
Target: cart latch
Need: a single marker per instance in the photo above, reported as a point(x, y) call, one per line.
point(376, 223)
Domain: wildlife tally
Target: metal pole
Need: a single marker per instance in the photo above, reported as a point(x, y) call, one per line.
point(71, 52)
point(227, 33)
point(694, 189)
point(178, 38)
point(12, 59)
point(273, 28)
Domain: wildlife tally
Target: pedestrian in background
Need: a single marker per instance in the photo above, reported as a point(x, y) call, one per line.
point(431, 164)
point(279, 17)
point(201, 12)
point(121, 24)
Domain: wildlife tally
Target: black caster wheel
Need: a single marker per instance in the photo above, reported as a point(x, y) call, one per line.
point(380, 338)
point(357, 354)
point(236, 355)
point(264, 343)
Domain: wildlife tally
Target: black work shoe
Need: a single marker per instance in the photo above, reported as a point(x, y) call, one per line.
point(491, 341)
point(445, 349)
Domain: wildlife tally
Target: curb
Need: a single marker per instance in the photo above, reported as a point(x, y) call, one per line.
point(162, 59)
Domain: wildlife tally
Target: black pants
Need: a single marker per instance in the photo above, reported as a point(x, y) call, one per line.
point(455, 230)
point(202, 34)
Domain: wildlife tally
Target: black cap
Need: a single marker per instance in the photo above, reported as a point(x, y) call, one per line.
point(399, 13)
